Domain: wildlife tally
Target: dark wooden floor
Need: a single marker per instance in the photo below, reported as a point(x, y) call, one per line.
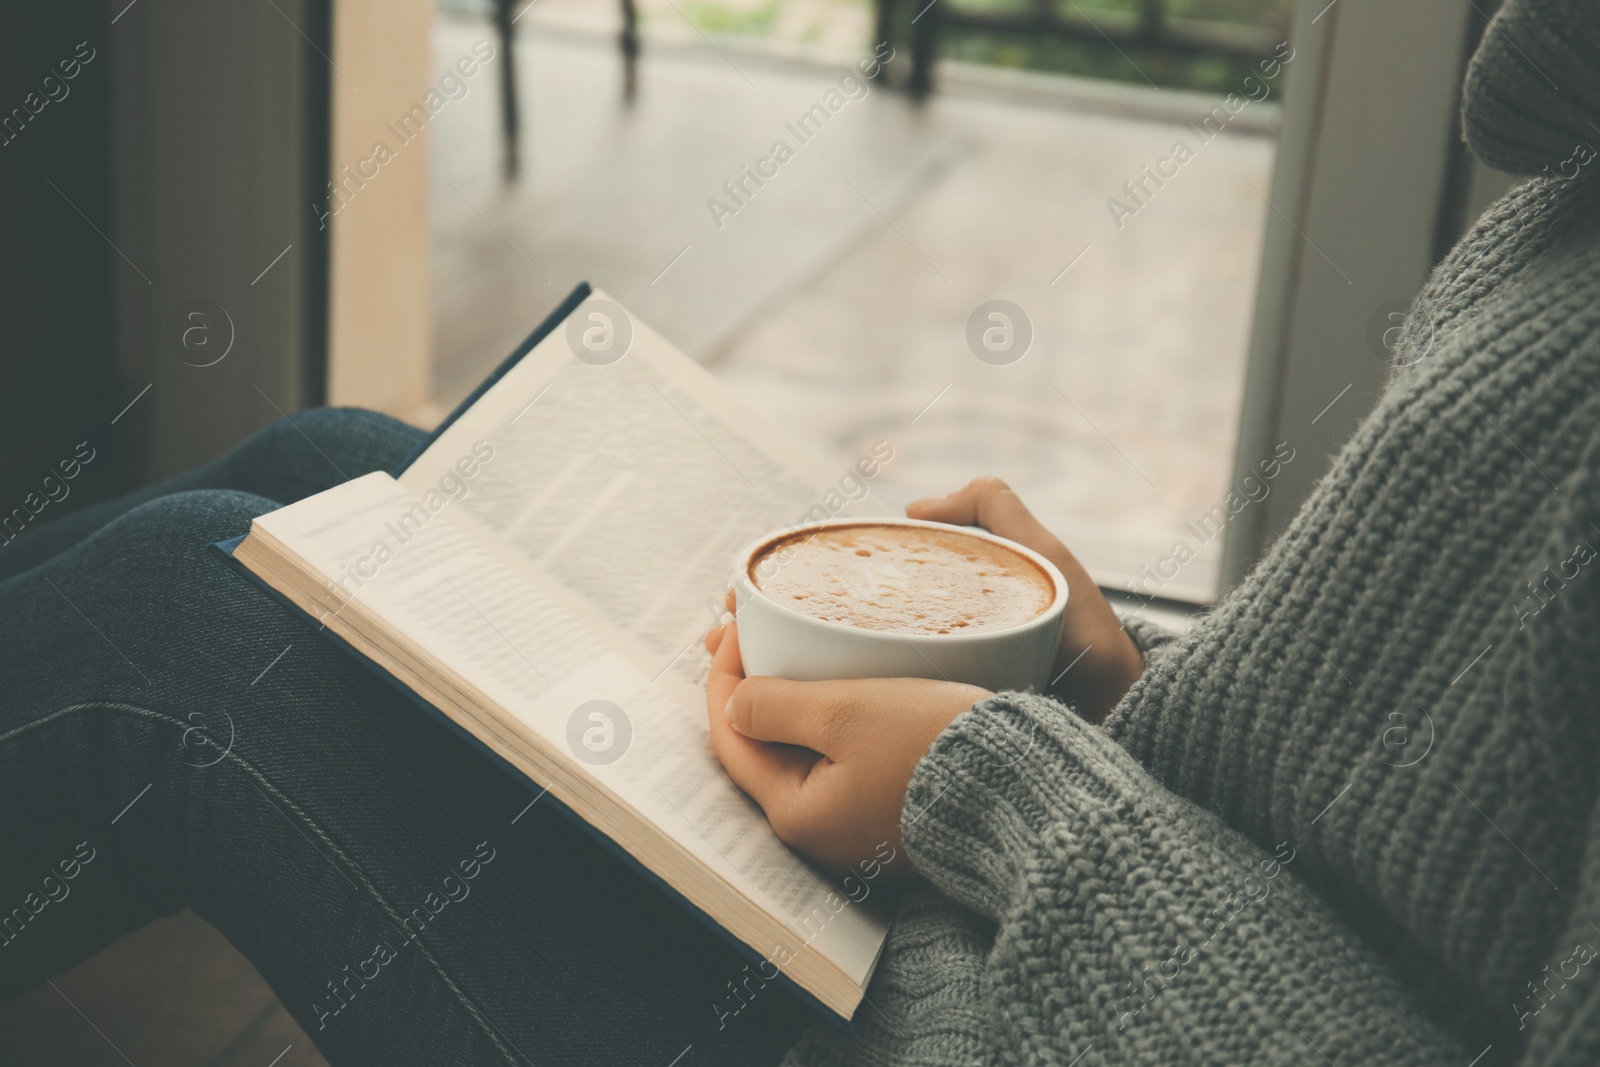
point(174, 993)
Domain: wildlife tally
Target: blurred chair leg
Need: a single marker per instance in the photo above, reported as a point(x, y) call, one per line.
point(510, 119)
point(630, 51)
point(1151, 15)
point(924, 48)
point(884, 33)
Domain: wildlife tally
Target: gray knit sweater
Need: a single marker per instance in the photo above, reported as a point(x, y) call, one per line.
point(1350, 817)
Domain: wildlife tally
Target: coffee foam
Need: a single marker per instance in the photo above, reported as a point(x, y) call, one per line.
point(903, 579)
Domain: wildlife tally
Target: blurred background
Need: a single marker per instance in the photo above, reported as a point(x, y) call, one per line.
point(237, 211)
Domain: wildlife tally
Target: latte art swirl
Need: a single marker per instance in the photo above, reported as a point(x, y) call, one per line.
point(903, 579)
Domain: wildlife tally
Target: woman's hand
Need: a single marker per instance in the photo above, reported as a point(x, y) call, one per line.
point(829, 762)
point(1110, 661)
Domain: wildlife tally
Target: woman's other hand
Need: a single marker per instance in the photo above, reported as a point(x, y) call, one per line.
point(1110, 661)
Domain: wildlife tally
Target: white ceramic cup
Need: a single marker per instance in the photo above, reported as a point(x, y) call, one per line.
point(777, 640)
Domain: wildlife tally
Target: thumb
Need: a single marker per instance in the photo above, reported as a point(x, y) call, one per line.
point(808, 714)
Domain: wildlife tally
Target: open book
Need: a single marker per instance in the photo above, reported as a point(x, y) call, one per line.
point(542, 574)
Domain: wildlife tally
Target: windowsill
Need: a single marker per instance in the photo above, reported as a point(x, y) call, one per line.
point(1174, 615)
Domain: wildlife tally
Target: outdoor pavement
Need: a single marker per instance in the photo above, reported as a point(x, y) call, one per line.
point(836, 298)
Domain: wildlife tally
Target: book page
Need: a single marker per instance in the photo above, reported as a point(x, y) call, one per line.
point(632, 485)
point(511, 634)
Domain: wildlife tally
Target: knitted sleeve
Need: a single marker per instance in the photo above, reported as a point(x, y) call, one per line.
point(1150, 638)
point(1130, 921)
point(1147, 635)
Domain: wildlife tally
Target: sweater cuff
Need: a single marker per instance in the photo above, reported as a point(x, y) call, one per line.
point(1014, 766)
point(1158, 645)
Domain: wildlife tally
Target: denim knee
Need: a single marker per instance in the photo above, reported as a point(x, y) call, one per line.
point(145, 609)
point(176, 530)
point(349, 442)
point(355, 440)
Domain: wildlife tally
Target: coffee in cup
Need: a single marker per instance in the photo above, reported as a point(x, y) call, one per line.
point(903, 579)
point(893, 598)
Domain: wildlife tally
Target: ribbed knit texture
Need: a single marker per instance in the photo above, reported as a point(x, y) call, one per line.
point(1350, 817)
point(1533, 88)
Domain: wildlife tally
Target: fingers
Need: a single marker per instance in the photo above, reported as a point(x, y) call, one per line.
point(988, 502)
point(713, 637)
point(960, 507)
point(769, 709)
point(727, 669)
point(991, 504)
point(772, 774)
point(871, 733)
point(1091, 626)
point(767, 731)
point(811, 714)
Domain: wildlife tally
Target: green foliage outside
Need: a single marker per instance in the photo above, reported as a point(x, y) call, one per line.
point(717, 18)
point(1096, 59)
point(1085, 58)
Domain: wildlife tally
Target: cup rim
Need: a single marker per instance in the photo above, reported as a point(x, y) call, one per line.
point(1055, 610)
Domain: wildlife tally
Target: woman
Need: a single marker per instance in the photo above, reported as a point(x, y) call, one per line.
point(1349, 816)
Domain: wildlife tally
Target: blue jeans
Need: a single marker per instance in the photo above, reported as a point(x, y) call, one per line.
point(172, 737)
